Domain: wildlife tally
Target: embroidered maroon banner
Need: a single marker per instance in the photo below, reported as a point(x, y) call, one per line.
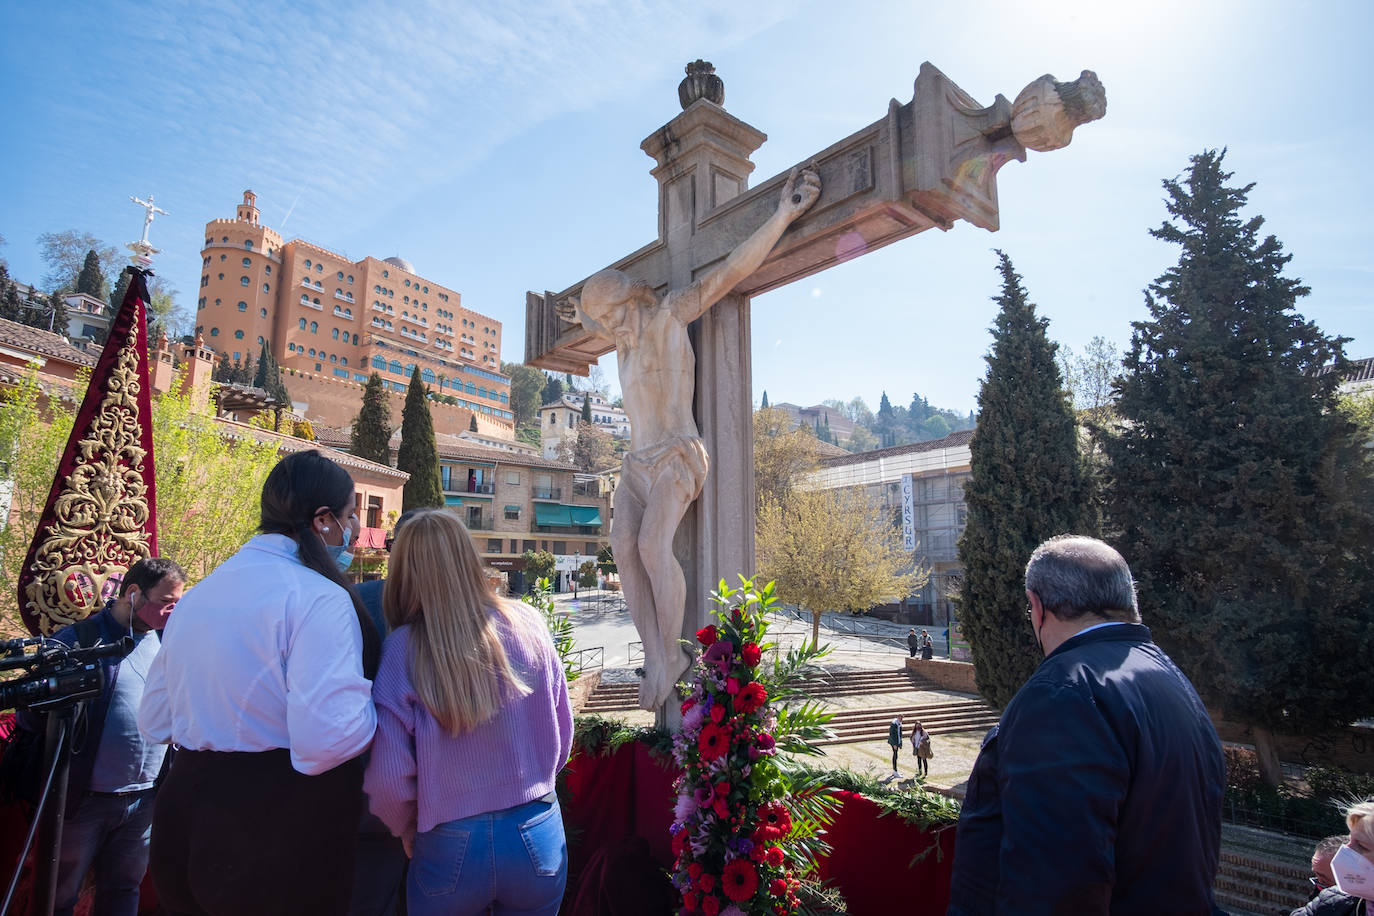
point(101, 514)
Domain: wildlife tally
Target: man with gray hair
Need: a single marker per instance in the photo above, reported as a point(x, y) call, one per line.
point(1100, 789)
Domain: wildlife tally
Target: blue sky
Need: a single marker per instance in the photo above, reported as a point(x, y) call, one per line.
point(496, 146)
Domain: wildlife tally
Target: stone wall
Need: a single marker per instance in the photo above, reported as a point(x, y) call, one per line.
point(947, 674)
point(335, 402)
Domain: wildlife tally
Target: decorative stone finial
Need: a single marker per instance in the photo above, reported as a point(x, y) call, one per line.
point(701, 83)
point(1046, 112)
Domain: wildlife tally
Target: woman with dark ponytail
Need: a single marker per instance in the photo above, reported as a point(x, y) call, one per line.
point(263, 684)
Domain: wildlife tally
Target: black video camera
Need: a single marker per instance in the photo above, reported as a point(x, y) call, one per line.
point(56, 675)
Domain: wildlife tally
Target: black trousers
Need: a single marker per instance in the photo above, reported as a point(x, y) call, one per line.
point(236, 834)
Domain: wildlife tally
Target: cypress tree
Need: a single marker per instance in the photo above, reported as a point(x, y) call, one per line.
point(418, 455)
point(10, 308)
point(371, 435)
point(1026, 484)
point(472, 424)
point(553, 390)
point(61, 318)
point(586, 408)
point(764, 405)
point(268, 377)
point(1236, 491)
point(121, 287)
point(91, 281)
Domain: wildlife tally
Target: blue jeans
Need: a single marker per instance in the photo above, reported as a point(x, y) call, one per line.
point(109, 834)
point(514, 861)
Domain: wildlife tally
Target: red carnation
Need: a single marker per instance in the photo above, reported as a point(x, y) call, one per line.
point(717, 713)
point(694, 870)
point(757, 852)
point(740, 880)
point(707, 882)
point(773, 856)
point(687, 704)
point(750, 698)
point(751, 654)
point(721, 807)
point(708, 635)
point(722, 788)
point(777, 887)
point(679, 843)
point(710, 906)
point(689, 901)
point(712, 742)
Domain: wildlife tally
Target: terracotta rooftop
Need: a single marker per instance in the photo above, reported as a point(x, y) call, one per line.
point(958, 439)
point(450, 446)
point(43, 342)
point(290, 444)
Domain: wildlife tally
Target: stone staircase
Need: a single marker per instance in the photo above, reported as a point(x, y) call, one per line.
point(617, 696)
point(851, 725)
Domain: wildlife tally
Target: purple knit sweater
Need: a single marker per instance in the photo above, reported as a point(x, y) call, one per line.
point(420, 776)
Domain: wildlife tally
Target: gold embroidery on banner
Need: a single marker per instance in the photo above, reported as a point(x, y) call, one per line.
point(98, 519)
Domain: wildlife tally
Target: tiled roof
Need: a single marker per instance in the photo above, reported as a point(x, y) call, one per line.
point(291, 444)
point(452, 447)
point(1361, 370)
point(953, 440)
point(42, 342)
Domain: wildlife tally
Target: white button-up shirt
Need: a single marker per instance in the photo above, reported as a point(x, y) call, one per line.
point(263, 653)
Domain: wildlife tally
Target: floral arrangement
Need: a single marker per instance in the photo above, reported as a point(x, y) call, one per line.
point(736, 802)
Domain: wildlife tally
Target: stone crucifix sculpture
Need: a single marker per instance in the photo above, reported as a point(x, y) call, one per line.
point(927, 163)
point(668, 464)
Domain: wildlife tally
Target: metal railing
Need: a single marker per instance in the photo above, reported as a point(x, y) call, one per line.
point(548, 492)
point(590, 659)
point(635, 653)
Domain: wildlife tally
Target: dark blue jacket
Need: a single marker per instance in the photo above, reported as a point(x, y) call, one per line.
point(1098, 792)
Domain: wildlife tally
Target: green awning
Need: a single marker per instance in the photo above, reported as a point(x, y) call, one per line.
point(453, 500)
point(585, 515)
point(551, 515)
point(512, 508)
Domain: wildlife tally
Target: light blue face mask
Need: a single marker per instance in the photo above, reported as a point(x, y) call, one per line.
point(341, 554)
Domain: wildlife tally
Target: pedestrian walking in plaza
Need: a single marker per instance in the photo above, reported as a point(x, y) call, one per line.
point(894, 738)
point(913, 643)
point(927, 645)
point(920, 746)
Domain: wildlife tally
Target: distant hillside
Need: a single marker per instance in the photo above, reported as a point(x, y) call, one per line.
point(852, 426)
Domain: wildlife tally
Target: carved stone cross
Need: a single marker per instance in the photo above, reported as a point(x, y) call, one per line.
point(924, 164)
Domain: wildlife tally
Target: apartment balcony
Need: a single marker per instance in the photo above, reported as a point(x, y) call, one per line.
point(471, 489)
point(483, 524)
point(550, 493)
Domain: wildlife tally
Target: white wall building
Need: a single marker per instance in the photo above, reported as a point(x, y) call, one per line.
point(558, 420)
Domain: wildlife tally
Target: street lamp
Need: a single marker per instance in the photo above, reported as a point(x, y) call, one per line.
point(577, 572)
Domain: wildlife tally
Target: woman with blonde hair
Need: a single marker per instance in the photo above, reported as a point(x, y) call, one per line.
point(473, 725)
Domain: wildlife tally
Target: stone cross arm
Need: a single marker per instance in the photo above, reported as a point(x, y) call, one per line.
point(929, 162)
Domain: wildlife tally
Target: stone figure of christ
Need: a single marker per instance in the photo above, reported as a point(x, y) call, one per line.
point(667, 464)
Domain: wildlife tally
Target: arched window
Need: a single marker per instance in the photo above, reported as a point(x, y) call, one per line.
point(344, 361)
point(427, 376)
point(314, 327)
point(312, 352)
point(333, 357)
point(395, 366)
point(336, 334)
point(214, 332)
point(244, 281)
point(243, 306)
point(355, 340)
point(305, 300)
point(307, 263)
point(378, 363)
point(238, 335)
point(262, 313)
point(247, 262)
point(470, 388)
point(316, 300)
point(248, 244)
point(341, 275)
point(266, 288)
point(481, 392)
point(260, 340)
point(410, 369)
point(302, 324)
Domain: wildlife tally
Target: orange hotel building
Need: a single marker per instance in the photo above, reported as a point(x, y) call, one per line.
point(325, 315)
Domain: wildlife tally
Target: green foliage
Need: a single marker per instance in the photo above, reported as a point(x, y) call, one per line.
point(587, 408)
point(605, 560)
point(1337, 786)
point(419, 454)
point(1026, 484)
point(1285, 808)
point(91, 280)
point(268, 377)
point(599, 736)
point(61, 317)
point(526, 388)
point(586, 574)
point(65, 254)
point(560, 625)
point(1358, 408)
point(553, 390)
point(472, 424)
point(1242, 498)
point(539, 564)
point(371, 435)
